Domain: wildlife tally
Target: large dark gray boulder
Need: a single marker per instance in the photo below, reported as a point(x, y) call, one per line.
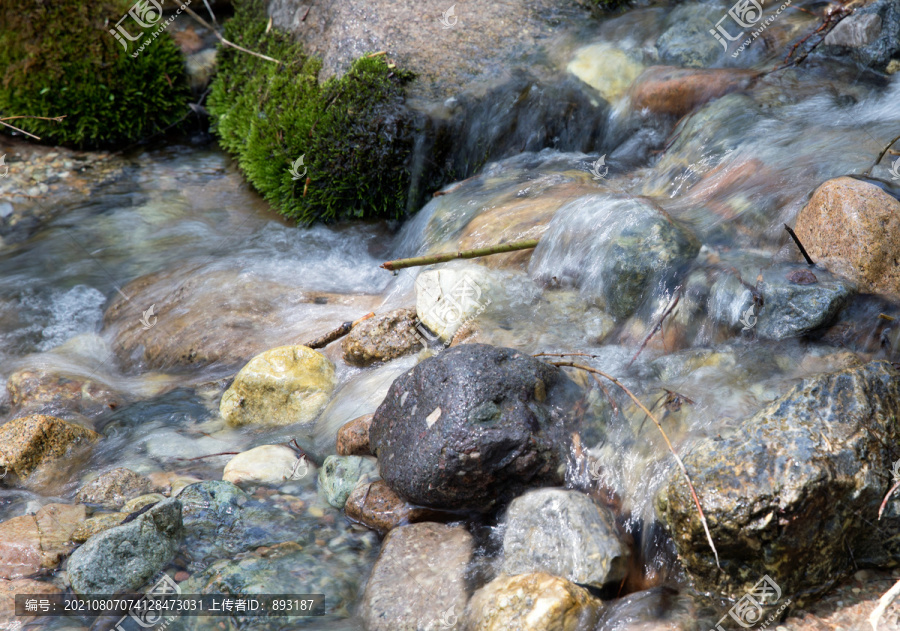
point(794, 492)
point(473, 424)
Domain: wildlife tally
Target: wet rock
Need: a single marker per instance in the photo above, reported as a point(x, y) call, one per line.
point(796, 301)
point(606, 68)
point(226, 317)
point(615, 249)
point(668, 91)
point(24, 587)
point(792, 493)
point(447, 298)
point(563, 533)
point(870, 35)
point(376, 506)
point(353, 437)
point(852, 228)
point(285, 385)
point(855, 31)
point(128, 556)
point(49, 392)
point(382, 338)
point(141, 501)
point(531, 602)
point(96, 524)
point(34, 542)
point(29, 442)
point(200, 67)
point(113, 488)
point(473, 424)
point(418, 581)
point(339, 475)
point(267, 464)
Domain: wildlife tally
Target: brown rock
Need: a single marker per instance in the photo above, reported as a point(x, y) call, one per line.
point(852, 228)
point(376, 506)
point(29, 441)
point(42, 391)
point(25, 587)
point(382, 338)
point(531, 602)
point(98, 523)
point(418, 581)
point(670, 91)
point(188, 40)
point(353, 437)
point(32, 542)
point(113, 488)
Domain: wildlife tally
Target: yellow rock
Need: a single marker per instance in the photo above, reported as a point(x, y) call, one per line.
point(289, 384)
point(607, 69)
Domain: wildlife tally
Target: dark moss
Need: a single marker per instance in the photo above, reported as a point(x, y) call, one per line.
point(59, 59)
point(355, 133)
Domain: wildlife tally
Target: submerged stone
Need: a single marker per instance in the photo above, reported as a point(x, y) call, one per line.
point(339, 475)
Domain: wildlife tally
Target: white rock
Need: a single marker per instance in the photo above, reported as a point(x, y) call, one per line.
point(268, 464)
point(447, 298)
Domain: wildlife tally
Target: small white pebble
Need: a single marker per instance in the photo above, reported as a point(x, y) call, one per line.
point(856, 590)
point(839, 603)
point(781, 628)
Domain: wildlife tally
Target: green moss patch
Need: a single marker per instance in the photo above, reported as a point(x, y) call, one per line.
point(355, 133)
point(58, 58)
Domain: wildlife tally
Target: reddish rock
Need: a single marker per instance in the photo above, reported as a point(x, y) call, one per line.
point(852, 228)
point(32, 542)
point(353, 437)
point(24, 587)
point(666, 90)
point(376, 506)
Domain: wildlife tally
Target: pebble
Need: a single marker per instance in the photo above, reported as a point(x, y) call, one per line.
point(181, 575)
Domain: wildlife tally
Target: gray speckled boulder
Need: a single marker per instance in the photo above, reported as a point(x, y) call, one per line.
point(382, 338)
point(795, 491)
point(126, 557)
point(563, 533)
point(472, 424)
point(339, 475)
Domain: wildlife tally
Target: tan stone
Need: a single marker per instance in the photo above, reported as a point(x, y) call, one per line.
point(30, 441)
point(24, 587)
point(531, 602)
point(353, 437)
point(96, 524)
point(32, 542)
point(266, 464)
point(852, 228)
point(113, 488)
point(382, 338)
point(43, 390)
point(376, 506)
point(670, 91)
point(141, 501)
point(606, 68)
point(289, 384)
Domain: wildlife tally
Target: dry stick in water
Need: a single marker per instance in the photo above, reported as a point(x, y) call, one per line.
point(338, 333)
point(225, 41)
point(665, 437)
point(881, 155)
point(461, 254)
point(883, 604)
point(672, 304)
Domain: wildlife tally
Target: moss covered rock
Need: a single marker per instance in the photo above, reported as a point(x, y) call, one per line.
point(315, 151)
point(60, 59)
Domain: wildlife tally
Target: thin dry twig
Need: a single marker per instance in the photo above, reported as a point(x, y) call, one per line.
point(225, 41)
point(883, 604)
point(881, 155)
point(887, 497)
point(57, 119)
point(672, 304)
point(430, 259)
point(684, 471)
point(324, 340)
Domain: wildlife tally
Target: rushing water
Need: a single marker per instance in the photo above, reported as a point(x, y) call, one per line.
point(732, 173)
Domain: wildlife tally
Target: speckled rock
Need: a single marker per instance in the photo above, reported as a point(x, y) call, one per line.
point(33, 542)
point(289, 384)
point(418, 581)
point(31, 441)
point(353, 437)
point(376, 506)
point(139, 502)
point(670, 91)
point(531, 602)
point(792, 493)
point(382, 338)
point(563, 533)
point(113, 488)
point(473, 424)
point(852, 228)
point(96, 524)
point(339, 475)
point(126, 557)
point(267, 464)
point(47, 392)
